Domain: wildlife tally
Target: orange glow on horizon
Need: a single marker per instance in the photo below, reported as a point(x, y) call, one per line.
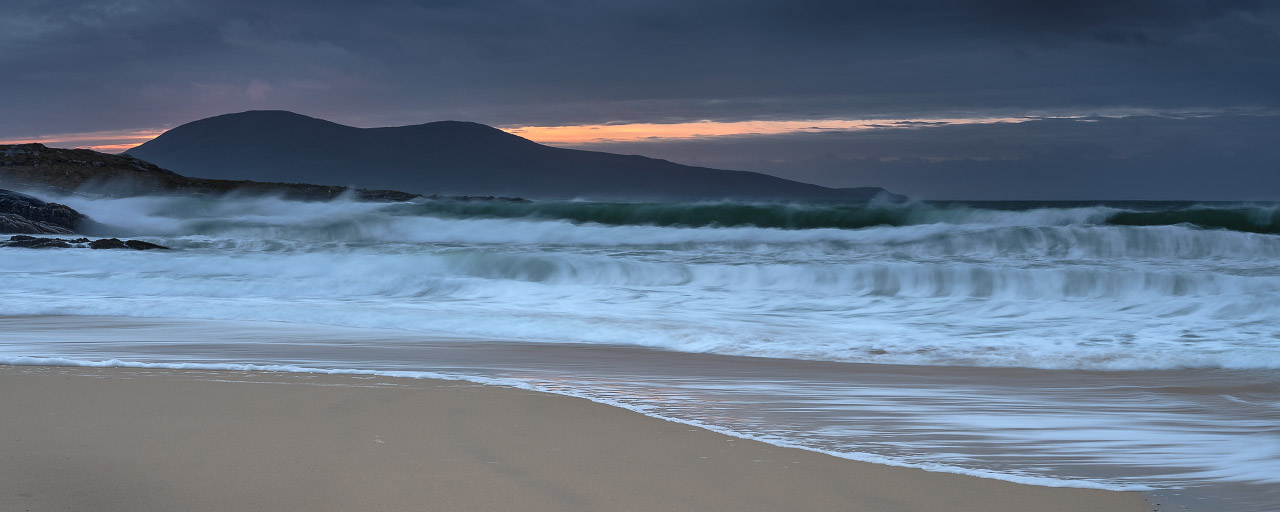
point(111, 141)
point(119, 141)
point(114, 149)
point(640, 132)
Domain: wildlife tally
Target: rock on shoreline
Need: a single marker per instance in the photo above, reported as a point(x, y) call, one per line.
point(21, 213)
point(26, 215)
point(32, 242)
point(63, 171)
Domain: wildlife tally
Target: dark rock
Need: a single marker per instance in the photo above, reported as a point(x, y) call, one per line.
point(21, 213)
point(31, 242)
point(116, 243)
point(39, 243)
point(108, 243)
point(66, 171)
point(13, 223)
point(139, 245)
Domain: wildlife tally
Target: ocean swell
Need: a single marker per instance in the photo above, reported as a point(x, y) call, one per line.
point(1038, 286)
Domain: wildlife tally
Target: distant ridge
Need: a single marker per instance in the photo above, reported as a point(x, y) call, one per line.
point(447, 157)
point(35, 166)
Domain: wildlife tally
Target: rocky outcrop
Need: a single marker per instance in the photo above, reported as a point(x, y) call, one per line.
point(21, 213)
point(116, 243)
point(32, 242)
point(59, 170)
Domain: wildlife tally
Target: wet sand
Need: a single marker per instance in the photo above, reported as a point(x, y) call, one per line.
point(152, 440)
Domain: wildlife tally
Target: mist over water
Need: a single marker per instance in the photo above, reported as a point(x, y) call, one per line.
point(912, 284)
point(1145, 287)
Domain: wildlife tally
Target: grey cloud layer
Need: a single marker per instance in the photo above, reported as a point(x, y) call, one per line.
point(77, 66)
point(101, 65)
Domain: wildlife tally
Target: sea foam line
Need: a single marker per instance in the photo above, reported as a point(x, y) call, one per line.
point(1042, 481)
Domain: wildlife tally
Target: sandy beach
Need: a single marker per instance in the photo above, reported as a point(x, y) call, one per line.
point(152, 440)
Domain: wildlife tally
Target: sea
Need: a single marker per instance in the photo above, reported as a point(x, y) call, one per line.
point(1110, 345)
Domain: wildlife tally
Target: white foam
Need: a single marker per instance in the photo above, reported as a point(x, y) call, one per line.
point(1047, 288)
point(1040, 314)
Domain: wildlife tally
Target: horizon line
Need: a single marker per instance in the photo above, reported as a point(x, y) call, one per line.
point(119, 141)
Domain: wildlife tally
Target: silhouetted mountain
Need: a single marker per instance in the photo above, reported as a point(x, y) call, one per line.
point(447, 157)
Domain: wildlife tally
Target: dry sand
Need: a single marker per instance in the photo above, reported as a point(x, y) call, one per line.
point(162, 440)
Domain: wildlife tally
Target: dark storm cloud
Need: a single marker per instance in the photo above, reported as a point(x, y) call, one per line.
point(1194, 157)
point(81, 66)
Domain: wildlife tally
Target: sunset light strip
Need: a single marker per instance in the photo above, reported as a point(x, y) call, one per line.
point(111, 141)
point(121, 140)
point(638, 132)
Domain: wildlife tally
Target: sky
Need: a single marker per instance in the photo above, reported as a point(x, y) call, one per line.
point(984, 99)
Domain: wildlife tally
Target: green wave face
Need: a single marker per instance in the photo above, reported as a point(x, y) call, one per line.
point(1264, 220)
point(1244, 218)
point(763, 215)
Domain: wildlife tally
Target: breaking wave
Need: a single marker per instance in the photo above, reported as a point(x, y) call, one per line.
point(1101, 286)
